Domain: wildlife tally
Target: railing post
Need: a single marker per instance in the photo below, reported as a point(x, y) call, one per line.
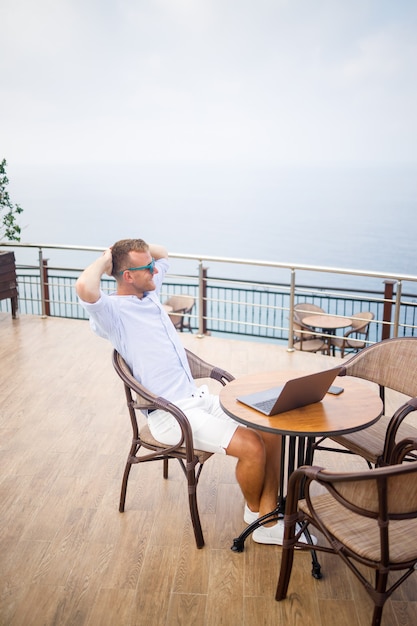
point(387, 313)
point(204, 316)
point(45, 287)
point(202, 300)
point(397, 307)
point(291, 321)
point(42, 280)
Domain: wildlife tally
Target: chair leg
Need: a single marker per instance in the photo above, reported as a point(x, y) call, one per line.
point(195, 517)
point(14, 303)
point(377, 616)
point(124, 487)
point(381, 580)
point(165, 470)
point(132, 452)
point(287, 559)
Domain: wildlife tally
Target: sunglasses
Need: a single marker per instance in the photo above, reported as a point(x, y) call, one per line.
point(150, 267)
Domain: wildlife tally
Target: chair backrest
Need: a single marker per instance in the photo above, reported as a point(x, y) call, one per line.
point(390, 363)
point(303, 309)
point(201, 369)
point(181, 303)
point(385, 493)
point(182, 306)
point(145, 398)
point(360, 322)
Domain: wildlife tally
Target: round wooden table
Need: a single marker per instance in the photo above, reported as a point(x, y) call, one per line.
point(327, 322)
point(357, 407)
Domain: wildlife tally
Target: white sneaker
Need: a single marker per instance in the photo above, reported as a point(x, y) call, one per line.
point(249, 516)
point(270, 534)
point(275, 535)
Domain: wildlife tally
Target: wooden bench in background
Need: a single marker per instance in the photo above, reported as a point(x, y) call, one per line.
point(8, 280)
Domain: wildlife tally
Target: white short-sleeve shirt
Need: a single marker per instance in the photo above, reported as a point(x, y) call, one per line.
point(142, 332)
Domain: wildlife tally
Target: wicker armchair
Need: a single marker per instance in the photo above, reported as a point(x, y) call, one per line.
point(181, 306)
point(391, 364)
point(140, 399)
point(367, 518)
point(305, 340)
point(356, 337)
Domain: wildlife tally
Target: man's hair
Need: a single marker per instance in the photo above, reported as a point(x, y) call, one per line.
point(120, 253)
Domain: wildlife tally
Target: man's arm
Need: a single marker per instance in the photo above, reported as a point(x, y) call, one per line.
point(158, 252)
point(88, 284)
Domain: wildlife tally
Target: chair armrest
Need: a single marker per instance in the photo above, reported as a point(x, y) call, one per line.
point(402, 449)
point(390, 448)
point(202, 369)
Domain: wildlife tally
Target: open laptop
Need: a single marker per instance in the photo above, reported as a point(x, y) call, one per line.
point(295, 393)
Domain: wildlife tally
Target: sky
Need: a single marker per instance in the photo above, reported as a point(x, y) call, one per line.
point(117, 107)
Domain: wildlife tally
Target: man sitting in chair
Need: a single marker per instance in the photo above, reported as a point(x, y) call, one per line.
point(135, 322)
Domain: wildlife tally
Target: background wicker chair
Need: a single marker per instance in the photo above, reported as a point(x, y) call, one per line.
point(367, 518)
point(305, 340)
point(356, 337)
point(392, 364)
point(303, 309)
point(181, 305)
point(141, 399)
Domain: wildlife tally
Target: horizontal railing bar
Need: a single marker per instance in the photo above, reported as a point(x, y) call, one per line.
point(215, 259)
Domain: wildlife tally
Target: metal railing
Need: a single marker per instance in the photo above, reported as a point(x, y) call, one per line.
point(234, 306)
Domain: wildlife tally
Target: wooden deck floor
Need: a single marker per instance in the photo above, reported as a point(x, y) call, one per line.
point(69, 557)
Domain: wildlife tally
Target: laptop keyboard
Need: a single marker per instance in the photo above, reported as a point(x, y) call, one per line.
point(265, 405)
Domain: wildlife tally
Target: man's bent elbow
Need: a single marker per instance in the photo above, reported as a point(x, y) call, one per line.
point(85, 293)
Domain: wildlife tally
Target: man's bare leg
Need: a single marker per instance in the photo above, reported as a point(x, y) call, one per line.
point(269, 496)
point(250, 450)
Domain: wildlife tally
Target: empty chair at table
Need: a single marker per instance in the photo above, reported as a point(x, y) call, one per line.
point(390, 364)
point(181, 306)
point(304, 337)
point(367, 518)
point(356, 337)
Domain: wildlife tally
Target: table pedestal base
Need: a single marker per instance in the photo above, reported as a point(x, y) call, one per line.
point(239, 542)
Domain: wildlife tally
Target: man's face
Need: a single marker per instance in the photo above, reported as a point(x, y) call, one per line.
point(139, 280)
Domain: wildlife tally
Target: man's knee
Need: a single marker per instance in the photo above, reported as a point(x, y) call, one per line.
point(247, 443)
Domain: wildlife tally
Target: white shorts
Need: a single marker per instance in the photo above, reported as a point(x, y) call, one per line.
point(212, 428)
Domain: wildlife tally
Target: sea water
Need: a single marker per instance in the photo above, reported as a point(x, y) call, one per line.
point(352, 216)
